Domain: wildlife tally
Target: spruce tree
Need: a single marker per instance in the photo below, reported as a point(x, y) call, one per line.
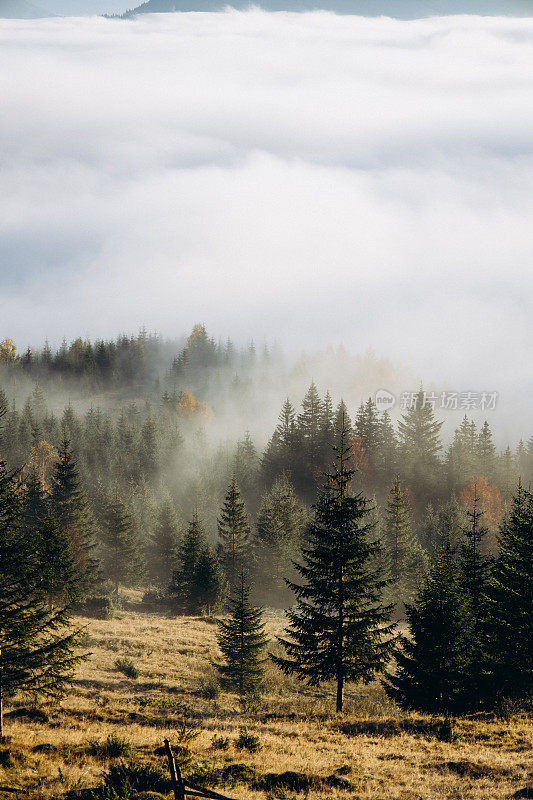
point(433, 659)
point(510, 604)
point(51, 546)
point(70, 510)
point(122, 562)
point(234, 534)
point(339, 629)
point(279, 528)
point(198, 583)
point(406, 559)
point(162, 550)
point(419, 435)
point(36, 643)
point(486, 452)
point(475, 572)
point(242, 640)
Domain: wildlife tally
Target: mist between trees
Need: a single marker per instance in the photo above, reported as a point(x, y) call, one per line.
point(156, 446)
point(343, 517)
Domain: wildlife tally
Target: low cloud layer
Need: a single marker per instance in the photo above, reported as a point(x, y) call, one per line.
point(308, 178)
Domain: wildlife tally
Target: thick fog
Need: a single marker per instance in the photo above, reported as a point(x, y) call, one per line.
point(310, 179)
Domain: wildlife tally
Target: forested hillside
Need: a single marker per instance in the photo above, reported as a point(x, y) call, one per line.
point(153, 441)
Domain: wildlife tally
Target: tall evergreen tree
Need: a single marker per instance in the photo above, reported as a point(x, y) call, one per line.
point(486, 452)
point(36, 643)
point(475, 572)
point(419, 434)
point(407, 560)
point(122, 562)
point(197, 584)
point(162, 550)
point(339, 629)
point(279, 529)
point(510, 603)
point(242, 640)
point(432, 660)
point(234, 534)
point(73, 519)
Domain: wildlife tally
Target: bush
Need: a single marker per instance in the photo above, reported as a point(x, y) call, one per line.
point(97, 608)
point(210, 689)
point(219, 742)
point(113, 747)
point(155, 600)
point(247, 741)
point(135, 776)
point(127, 667)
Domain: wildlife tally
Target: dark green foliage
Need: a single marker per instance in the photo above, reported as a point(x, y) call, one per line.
point(475, 574)
point(279, 528)
point(510, 604)
point(122, 563)
point(233, 534)
point(73, 520)
point(432, 661)
point(406, 559)
point(339, 628)
point(241, 639)
point(247, 741)
point(127, 667)
point(162, 550)
point(112, 747)
point(36, 642)
point(198, 584)
point(419, 446)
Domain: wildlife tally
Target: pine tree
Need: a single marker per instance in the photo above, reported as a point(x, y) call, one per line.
point(462, 456)
point(198, 583)
point(162, 550)
point(407, 560)
point(51, 546)
point(122, 561)
point(432, 660)
point(386, 457)
point(241, 640)
point(419, 434)
point(72, 517)
point(367, 428)
point(279, 455)
point(510, 603)
point(234, 534)
point(475, 572)
point(339, 629)
point(486, 452)
point(36, 643)
point(279, 529)
point(209, 582)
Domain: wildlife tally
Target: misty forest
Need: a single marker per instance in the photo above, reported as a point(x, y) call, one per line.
point(266, 430)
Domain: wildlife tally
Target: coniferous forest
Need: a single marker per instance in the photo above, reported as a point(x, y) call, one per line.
point(130, 464)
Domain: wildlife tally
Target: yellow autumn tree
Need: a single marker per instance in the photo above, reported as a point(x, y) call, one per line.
point(189, 407)
point(8, 351)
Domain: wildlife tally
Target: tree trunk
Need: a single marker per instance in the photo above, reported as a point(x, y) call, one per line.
point(340, 688)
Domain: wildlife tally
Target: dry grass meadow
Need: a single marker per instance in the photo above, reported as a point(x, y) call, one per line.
point(372, 751)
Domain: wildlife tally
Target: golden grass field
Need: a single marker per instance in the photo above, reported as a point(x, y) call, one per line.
point(371, 751)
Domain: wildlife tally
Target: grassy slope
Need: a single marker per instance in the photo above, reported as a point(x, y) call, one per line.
point(296, 727)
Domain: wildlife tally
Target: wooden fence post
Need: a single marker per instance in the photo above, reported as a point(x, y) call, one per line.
point(175, 773)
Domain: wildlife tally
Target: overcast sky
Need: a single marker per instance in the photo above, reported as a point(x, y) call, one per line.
point(311, 178)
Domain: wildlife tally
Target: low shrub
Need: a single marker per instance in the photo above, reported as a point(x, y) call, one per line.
point(96, 608)
point(247, 741)
point(113, 747)
point(127, 667)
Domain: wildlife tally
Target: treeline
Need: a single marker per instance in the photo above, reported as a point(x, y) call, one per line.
point(156, 464)
point(145, 361)
point(470, 646)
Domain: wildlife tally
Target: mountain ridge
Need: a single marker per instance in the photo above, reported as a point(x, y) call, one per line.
point(400, 9)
